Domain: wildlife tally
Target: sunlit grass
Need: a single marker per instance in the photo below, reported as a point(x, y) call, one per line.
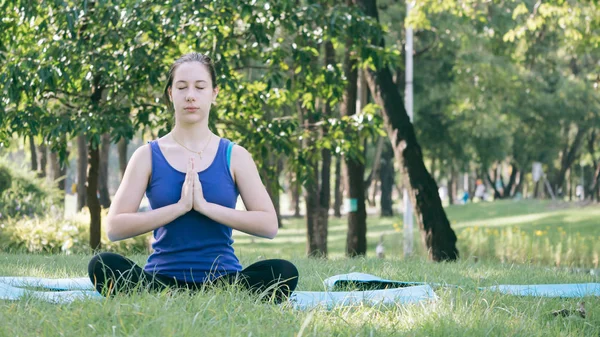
point(529, 232)
point(462, 311)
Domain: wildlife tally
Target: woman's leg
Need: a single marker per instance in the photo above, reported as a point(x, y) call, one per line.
point(274, 277)
point(113, 273)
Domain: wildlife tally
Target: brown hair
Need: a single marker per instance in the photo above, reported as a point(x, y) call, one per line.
point(190, 57)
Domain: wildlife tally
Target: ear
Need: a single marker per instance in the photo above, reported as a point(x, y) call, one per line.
point(170, 94)
point(215, 93)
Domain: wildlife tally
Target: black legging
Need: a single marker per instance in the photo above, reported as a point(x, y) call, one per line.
point(113, 273)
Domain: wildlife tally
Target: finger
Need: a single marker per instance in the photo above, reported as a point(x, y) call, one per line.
point(190, 165)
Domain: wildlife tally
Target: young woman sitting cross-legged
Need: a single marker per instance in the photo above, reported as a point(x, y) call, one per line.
point(192, 179)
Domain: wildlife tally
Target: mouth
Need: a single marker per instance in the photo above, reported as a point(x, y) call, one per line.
point(190, 108)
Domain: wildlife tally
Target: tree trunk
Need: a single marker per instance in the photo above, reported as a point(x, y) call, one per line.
point(568, 158)
point(374, 175)
point(33, 151)
point(509, 191)
point(338, 192)
point(56, 172)
point(494, 182)
point(92, 197)
point(315, 245)
point(537, 188)
point(472, 185)
point(103, 172)
point(570, 183)
point(82, 163)
point(356, 240)
point(387, 181)
point(271, 185)
point(277, 196)
point(42, 154)
point(436, 233)
point(519, 186)
point(325, 186)
point(290, 189)
point(296, 194)
point(594, 191)
point(122, 148)
point(318, 187)
point(53, 171)
point(452, 182)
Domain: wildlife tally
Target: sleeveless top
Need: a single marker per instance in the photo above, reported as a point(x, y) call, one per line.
point(193, 247)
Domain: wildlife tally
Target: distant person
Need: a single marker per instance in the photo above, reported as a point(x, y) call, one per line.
point(465, 197)
point(442, 191)
point(579, 192)
point(192, 179)
point(480, 190)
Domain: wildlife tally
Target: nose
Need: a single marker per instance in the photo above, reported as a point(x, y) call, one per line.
point(189, 98)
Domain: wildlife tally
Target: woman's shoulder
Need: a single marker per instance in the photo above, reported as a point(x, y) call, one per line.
point(238, 151)
point(142, 155)
point(241, 159)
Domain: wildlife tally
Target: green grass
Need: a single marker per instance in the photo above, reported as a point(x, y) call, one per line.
point(538, 232)
point(463, 311)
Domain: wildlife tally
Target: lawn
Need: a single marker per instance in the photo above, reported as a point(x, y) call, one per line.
point(539, 232)
point(462, 311)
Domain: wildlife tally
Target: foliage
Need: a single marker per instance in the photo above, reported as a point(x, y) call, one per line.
point(54, 234)
point(26, 195)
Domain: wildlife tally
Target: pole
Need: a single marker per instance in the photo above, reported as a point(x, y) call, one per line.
point(408, 102)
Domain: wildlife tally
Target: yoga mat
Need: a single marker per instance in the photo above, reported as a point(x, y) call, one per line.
point(360, 289)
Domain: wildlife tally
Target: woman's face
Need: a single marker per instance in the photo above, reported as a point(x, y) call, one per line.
point(191, 92)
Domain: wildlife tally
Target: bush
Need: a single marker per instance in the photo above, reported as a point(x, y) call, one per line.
point(22, 193)
point(54, 234)
point(5, 179)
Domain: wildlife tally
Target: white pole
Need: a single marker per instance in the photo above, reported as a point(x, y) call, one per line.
point(408, 103)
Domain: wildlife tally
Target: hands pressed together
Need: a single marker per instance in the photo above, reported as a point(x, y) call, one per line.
point(192, 196)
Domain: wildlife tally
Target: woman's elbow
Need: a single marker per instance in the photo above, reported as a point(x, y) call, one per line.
point(110, 230)
point(273, 228)
point(272, 233)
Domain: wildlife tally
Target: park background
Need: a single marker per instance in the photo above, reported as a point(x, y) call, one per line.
point(497, 151)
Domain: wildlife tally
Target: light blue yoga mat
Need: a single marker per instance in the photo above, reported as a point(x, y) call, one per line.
point(71, 289)
point(549, 290)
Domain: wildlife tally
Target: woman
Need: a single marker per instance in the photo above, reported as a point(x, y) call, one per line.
point(192, 179)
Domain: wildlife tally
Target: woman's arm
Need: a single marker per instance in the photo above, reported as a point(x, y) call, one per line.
point(123, 219)
point(259, 218)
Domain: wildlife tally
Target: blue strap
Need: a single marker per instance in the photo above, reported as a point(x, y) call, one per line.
point(229, 147)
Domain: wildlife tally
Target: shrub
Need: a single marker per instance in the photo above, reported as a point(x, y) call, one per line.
point(5, 179)
point(55, 234)
point(22, 193)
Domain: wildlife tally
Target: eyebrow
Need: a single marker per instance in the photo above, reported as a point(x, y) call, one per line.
point(182, 81)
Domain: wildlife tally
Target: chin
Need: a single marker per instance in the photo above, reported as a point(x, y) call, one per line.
point(192, 118)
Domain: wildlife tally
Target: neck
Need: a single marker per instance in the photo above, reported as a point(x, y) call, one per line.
point(193, 136)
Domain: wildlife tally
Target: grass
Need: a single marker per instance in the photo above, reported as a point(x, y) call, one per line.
point(538, 232)
point(463, 311)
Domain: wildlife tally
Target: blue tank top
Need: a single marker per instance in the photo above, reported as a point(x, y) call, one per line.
point(193, 247)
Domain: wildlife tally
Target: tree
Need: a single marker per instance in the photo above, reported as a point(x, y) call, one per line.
point(356, 238)
point(437, 235)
